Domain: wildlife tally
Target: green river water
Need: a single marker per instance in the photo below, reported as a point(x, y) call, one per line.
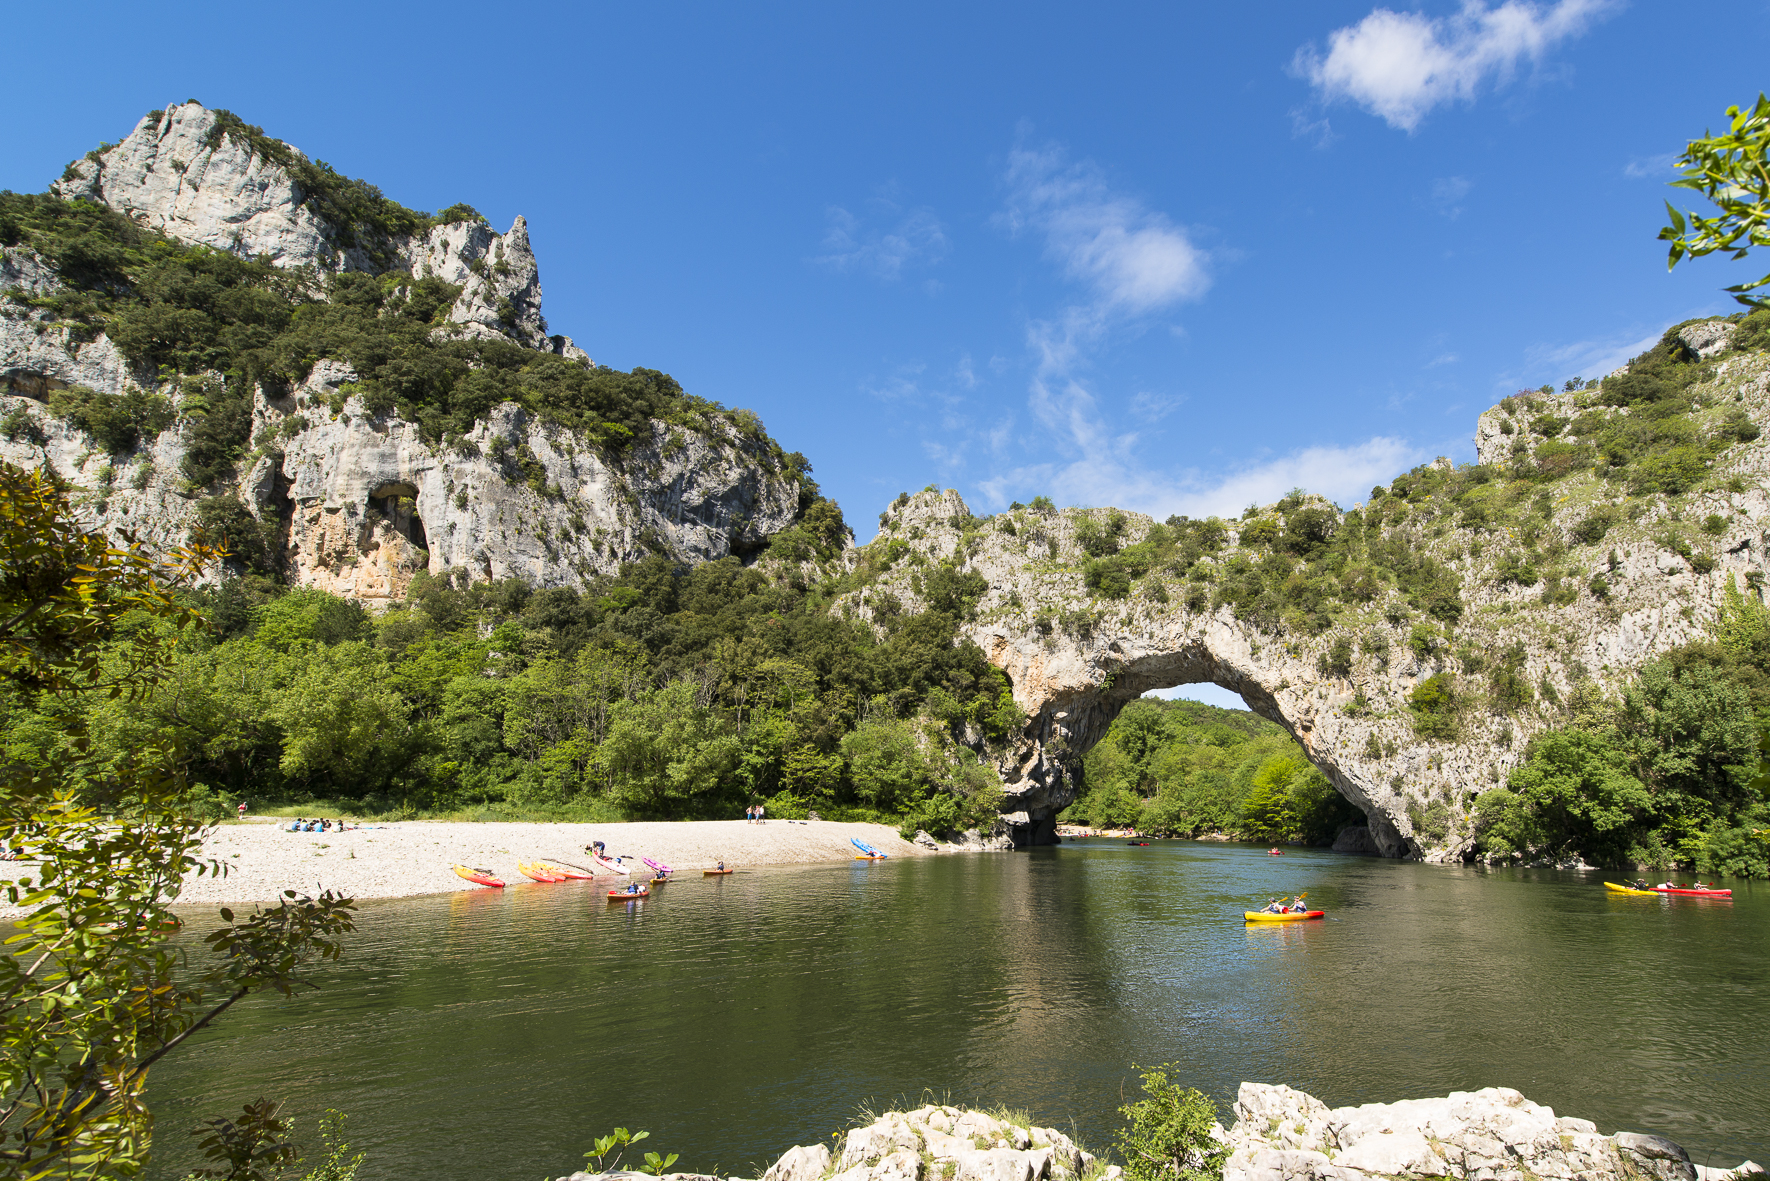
point(492, 1034)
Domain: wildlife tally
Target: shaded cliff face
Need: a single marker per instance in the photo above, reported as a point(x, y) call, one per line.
point(353, 497)
point(1508, 615)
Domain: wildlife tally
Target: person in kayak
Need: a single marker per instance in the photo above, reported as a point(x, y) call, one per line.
point(1640, 884)
point(1274, 907)
point(1297, 907)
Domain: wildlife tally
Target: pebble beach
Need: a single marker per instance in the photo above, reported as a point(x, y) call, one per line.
point(408, 858)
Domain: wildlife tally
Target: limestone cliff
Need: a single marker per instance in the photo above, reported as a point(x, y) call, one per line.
point(1512, 611)
point(359, 498)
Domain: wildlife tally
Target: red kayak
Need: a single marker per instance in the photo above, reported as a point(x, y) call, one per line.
point(1693, 893)
point(624, 896)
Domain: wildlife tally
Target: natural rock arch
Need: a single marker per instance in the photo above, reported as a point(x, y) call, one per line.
point(1075, 657)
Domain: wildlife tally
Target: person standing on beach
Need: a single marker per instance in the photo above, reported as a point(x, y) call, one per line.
point(760, 813)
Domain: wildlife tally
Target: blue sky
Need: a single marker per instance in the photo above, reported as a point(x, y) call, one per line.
point(1176, 257)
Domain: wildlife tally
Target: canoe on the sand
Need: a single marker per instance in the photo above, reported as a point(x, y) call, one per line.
point(1262, 916)
point(482, 876)
point(1628, 890)
point(623, 896)
point(868, 852)
point(538, 872)
point(715, 873)
point(608, 866)
point(565, 871)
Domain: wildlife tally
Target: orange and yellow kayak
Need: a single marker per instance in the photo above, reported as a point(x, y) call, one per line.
point(1266, 916)
point(538, 872)
point(716, 873)
point(482, 876)
point(623, 896)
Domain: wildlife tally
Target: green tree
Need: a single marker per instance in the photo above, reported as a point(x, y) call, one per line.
point(91, 996)
point(1732, 170)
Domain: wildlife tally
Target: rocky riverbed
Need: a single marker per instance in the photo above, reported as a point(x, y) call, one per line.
point(1279, 1134)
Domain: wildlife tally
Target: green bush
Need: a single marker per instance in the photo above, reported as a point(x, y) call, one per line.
point(118, 423)
point(1433, 704)
point(1167, 1134)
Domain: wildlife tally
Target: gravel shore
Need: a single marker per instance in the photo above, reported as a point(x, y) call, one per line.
point(402, 859)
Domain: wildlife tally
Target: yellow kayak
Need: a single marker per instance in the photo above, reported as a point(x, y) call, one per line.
point(1266, 916)
point(1630, 890)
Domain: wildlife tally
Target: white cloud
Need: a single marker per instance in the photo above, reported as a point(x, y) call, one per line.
point(1105, 472)
point(1134, 258)
point(1399, 65)
point(1652, 167)
point(907, 239)
point(1583, 358)
point(1448, 193)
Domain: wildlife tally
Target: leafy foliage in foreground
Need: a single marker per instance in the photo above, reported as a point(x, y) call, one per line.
point(1184, 768)
point(94, 996)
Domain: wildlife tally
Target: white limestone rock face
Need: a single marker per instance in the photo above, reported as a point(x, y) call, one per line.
point(1494, 1134)
point(1075, 659)
point(362, 503)
point(176, 174)
point(370, 503)
point(166, 176)
point(942, 1142)
point(1709, 338)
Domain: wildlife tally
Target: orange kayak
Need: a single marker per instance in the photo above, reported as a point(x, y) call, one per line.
point(482, 876)
point(714, 873)
point(623, 896)
point(539, 873)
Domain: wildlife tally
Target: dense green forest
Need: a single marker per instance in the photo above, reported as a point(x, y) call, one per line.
point(1183, 768)
point(663, 692)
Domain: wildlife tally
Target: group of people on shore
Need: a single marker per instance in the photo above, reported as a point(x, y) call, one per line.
point(302, 824)
point(753, 814)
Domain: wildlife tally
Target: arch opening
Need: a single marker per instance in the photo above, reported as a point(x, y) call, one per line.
point(1079, 723)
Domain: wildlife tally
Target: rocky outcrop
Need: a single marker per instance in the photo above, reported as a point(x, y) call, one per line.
point(933, 1143)
point(191, 176)
point(1280, 1134)
point(360, 503)
point(1494, 1134)
point(1075, 657)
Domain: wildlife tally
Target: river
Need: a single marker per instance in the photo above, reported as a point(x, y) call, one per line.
point(494, 1034)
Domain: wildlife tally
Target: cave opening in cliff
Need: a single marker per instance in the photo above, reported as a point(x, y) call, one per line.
point(397, 504)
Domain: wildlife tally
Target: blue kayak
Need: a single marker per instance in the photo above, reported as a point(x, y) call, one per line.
point(866, 848)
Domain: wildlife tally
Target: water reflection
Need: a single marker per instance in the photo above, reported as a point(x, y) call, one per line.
point(497, 1032)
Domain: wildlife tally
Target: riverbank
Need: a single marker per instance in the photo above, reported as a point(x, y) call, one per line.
point(1279, 1134)
point(409, 858)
